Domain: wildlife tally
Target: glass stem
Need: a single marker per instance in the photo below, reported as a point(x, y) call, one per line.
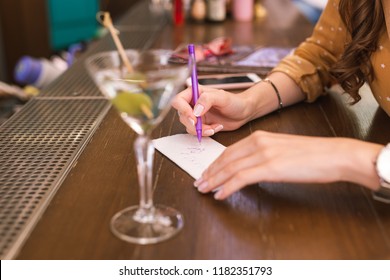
point(144, 151)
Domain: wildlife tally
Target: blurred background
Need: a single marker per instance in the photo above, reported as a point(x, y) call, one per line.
point(41, 39)
point(41, 28)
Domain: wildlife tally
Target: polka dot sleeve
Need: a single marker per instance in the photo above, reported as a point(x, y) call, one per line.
point(309, 65)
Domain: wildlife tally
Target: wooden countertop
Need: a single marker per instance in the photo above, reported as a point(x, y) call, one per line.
point(265, 221)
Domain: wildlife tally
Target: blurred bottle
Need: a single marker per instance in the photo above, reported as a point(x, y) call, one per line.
point(38, 72)
point(187, 9)
point(260, 11)
point(228, 8)
point(243, 10)
point(198, 10)
point(178, 12)
point(216, 10)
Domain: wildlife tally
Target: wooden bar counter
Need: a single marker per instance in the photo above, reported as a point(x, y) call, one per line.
point(264, 221)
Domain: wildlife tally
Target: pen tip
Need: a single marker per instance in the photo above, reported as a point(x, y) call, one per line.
point(199, 138)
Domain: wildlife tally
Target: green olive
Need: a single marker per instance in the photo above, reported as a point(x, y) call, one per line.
point(134, 104)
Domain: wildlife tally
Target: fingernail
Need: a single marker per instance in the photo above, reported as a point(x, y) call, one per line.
point(218, 128)
point(203, 186)
point(191, 121)
point(198, 110)
point(208, 132)
point(218, 195)
point(198, 182)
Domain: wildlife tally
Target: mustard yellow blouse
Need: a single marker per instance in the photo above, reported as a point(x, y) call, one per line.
point(309, 64)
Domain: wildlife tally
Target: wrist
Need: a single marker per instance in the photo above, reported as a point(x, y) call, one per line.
point(359, 165)
point(272, 93)
point(260, 100)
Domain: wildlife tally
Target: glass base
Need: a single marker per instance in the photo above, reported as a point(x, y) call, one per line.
point(135, 225)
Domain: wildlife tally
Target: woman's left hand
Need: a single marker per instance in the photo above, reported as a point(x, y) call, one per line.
point(272, 157)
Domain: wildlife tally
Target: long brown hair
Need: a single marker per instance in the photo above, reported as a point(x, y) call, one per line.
point(364, 20)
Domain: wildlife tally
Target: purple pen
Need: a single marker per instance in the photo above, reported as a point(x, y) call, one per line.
point(195, 89)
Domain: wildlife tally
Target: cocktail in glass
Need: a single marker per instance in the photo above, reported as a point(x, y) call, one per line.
point(142, 97)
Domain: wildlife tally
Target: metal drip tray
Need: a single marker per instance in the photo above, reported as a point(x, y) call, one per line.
point(37, 149)
point(40, 143)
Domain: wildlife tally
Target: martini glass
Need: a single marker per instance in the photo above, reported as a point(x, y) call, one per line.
point(143, 98)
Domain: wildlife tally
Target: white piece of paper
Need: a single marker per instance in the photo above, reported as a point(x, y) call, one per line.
point(185, 150)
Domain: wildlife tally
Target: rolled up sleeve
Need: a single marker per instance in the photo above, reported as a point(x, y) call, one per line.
point(311, 61)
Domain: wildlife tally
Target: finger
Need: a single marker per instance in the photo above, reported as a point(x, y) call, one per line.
point(210, 130)
point(187, 122)
point(210, 97)
point(244, 148)
point(181, 103)
point(217, 127)
point(207, 130)
point(232, 169)
point(238, 181)
point(191, 131)
point(185, 95)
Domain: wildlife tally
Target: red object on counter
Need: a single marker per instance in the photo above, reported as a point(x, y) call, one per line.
point(218, 47)
point(178, 12)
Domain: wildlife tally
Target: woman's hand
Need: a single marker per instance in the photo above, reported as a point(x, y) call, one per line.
point(271, 157)
point(219, 109)
point(222, 110)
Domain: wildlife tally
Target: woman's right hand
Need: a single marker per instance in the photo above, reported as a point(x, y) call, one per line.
point(219, 109)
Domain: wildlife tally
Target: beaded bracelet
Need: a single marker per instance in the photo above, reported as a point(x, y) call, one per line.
point(276, 91)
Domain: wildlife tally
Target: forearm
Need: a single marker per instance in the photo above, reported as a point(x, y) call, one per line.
point(354, 160)
point(262, 98)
